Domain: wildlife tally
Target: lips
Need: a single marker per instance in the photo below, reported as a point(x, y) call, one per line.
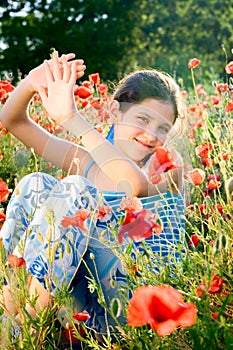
point(148, 145)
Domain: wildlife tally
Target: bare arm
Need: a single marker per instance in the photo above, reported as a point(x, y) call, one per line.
point(14, 116)
point(113, 170)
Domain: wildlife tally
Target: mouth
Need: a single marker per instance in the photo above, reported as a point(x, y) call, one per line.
point(147, 145)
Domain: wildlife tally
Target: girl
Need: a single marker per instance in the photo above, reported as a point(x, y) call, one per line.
point(46, 216)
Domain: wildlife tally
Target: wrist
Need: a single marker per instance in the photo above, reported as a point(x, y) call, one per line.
point(76, 124)
point(28, 82)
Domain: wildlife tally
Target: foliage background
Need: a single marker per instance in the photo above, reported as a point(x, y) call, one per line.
point(117, 36)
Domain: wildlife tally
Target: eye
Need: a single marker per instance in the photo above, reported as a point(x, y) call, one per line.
point(164, 129)
point(144, 119)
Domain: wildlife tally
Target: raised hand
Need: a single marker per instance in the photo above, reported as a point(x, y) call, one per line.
point(37, 75)
point(57, 96)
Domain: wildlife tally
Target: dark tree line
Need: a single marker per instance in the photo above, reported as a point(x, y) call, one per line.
point(116, 36)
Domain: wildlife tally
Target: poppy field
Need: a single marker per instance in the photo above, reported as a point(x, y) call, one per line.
point(187, 305)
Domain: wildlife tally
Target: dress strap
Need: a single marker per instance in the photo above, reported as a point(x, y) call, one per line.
point(88, 167)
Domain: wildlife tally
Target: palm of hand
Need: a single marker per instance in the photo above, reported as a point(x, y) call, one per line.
point(59, 100)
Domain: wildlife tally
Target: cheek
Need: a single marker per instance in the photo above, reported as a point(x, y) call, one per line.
point(161, 138)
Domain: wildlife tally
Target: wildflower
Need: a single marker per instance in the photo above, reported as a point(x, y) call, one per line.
point(222, 87)
point(202, 209)
point(103, 89)
point(6, 86)
point(138, 225)
point(162, 307)
point(215, 315)
point(4, 191)
point(207, 192)
point(77, 219)
point(196, 176)
point(193, 63)
point(229, 68)
point(202, 151)
point(131, 204)
point(160, 162)
point(214, 287)
point(214, 177)
point(102, 211)
point(14, 260)
point(87, 84)
point(194, 240)
point(95, 78)
point(219, 209)
point(207, 162)
point(2, 216)
point(70, 333)
point(215, 100)
point(224, 155)
point(96, 103)
point(229, 106)
point(215, 284)
point(81, 316)
point(83, 92)
point(213, 184)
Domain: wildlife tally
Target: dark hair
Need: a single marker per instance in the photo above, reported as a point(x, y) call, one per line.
point(143, 84)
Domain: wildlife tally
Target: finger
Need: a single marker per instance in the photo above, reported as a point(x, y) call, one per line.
point(80, 70)
point(56, 66)
point(80, 73)
point(48, 73)
point(43, 94)
point(70, 56)
point(73, 75)
point(66, 69)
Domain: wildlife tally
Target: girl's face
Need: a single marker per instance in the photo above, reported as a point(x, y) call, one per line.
point(142, 127)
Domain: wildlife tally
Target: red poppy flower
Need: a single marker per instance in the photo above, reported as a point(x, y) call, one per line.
point(213, 184)
point(81, 316)
point(194, 240)
point(229, 106)
point(5, 85)
point(224, 155)
point(193, 63)
point(222, 87)
point(214, 286)
point(102, 211)
point(162, 308)
point(95, 78)
point(96, 103)
point(103, 89)
point(83, 92)
point(70, 333)
point(215, 100)
point(229, 68)
point(196, 176)
point(160, 162)
point(15, 260)
point(215, 315)
point(202, 151)
point(202, 209)
point(214, 177)
point(4, 191)
point(207, 162)
point(77, 219)
point(87, 84)
point(131, 204)
point(138, 225)
point(2, 216)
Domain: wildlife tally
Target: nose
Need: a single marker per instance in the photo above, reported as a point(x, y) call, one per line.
point(154, 139)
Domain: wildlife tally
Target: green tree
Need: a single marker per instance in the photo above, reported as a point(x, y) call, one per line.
point(117, 36)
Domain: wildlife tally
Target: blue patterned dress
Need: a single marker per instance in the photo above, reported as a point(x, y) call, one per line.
point(67, 255)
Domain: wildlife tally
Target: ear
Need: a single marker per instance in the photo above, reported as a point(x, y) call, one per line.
point(114, 108)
